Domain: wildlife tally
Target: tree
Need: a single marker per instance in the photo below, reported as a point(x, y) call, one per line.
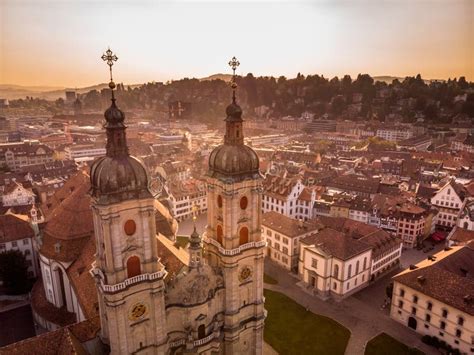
point(14, 271)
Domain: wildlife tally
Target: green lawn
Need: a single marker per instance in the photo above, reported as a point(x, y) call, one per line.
point(386, 345)
point(269, 280)
point(290, 329)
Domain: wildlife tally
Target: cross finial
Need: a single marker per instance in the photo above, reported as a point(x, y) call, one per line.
point(194, 210)
point(109, 57)
point(233, 63)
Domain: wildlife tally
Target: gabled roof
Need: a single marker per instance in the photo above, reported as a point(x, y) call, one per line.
point(289, 227)
point(13, 228)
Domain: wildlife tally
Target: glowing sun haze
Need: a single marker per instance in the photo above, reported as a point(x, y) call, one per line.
point(59, 43)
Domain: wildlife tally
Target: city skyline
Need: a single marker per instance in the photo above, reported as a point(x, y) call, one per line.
point(57, 43)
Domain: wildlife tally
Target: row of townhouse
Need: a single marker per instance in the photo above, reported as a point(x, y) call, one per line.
point(17, 155)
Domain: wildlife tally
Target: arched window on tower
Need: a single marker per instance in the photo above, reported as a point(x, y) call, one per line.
point(336, 271)
point(219, 234)
point(133, 266)
point(201, 331)
point(62, 290)
point(243, 236)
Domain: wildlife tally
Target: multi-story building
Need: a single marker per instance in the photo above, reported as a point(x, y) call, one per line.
point(288, 196)
point(360, 209)
point(448, 200)
point(435, 297)
point(341, 258)
point(282, 235)
point(394, 134)
point(411, 224)
point(83, 152)
point(14, 194)
point(18, 234)
point(355, 185)
point(187, 198)
point(17, 155)
point(464, 142)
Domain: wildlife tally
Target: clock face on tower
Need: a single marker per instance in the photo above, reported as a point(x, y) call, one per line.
point(245, 274)
point(137, 311)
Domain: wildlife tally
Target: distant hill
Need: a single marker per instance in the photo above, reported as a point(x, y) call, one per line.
point(225, 77)
point(387, 78)
point(12, 92)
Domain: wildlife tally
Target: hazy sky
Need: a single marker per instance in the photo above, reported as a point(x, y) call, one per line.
point(60, 42)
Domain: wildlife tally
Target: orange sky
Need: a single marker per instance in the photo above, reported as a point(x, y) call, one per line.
point(59, 43)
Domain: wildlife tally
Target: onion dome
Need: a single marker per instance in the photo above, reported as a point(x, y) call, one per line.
point(233, 161)
point(118, 176)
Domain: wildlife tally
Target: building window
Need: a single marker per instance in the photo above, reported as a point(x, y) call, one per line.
point(458, 333)
point(357, 267)
point(133, 266)
point(269, 232)
point(2, 246)
point(314, 263)
point(429, 306)
point(244, 202)
point(413, 310)
point(336, 271)
point(219, 201)
point(349, 271)
point(219, 233)
point(130, 227)
point(27, 252)
point(243, 236)
point(14, 244)
point(428, 318)
point(402, 292)
point(415, 299)
point(445, 313)
point(442, 325)
point(400, 304)
point(25, 241)
point(460, 321)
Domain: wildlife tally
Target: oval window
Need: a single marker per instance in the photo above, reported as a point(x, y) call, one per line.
point(219, 201)
point(130, 227)
point(244, 202)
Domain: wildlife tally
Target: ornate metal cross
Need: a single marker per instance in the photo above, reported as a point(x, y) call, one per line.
point(194, 210)
point(233, 63)
point(110, 58)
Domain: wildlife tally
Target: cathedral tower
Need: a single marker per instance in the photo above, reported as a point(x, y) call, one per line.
point(128, 274)
point(233, 240)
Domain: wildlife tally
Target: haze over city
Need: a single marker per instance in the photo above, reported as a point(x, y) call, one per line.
point(56, 43)
point(236, 177)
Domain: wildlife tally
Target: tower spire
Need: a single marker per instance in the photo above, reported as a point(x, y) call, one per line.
point(116, 138)
point(233, 63)
point(110, 58)
point(194, 243)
